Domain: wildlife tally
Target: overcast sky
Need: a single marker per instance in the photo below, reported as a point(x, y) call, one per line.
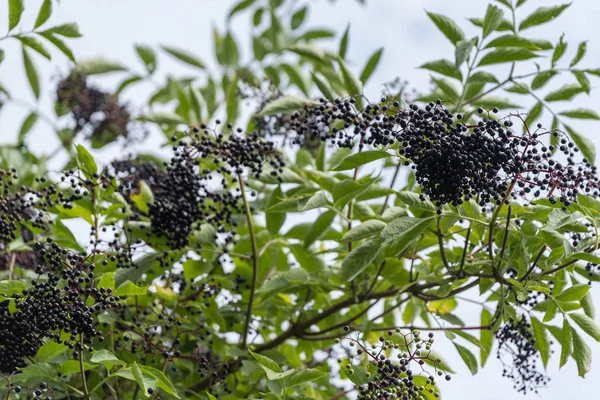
point(111, 27)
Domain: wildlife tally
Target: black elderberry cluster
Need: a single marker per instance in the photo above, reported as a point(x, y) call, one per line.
point(95, 112)
point(64, 301)
point(454, 161)
point(198, 184)
point(517, 352)
point(399, 361)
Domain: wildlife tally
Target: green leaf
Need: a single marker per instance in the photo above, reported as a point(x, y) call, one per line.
point(240, 6)
point(68, 30)
point(358, 159)
point(512, 40)
point(184, 56)
point(567, 343)
point(86, 161)
point(447, 87)
point(582, 353)
point(107, 281)
point(559, 50)
point(26, 126)
point(541, 340)
point(582, 79)
point(275, 220)
point(36, 45)
point(298, 18)
point(467, 357)
point(97, 66)
point(359, 259)
point(486, 336)
point(163, 118)
point(506, 54)
point(305, 375)
point(588, 306)
point(581, 49)
point(139, 378)
point(105, 357)
point(412, 199)
point(144, 197)
point(309, 51)
point(318, 200)
point(59, 44)
point(49, 351)
point(493, 18)
point(285, 104)
point(448, 27)
point(319, 227)
point(148, 57)
point(73, 367)
point(32, 74)
point(462, 52)
point(294, 74)
point(370, 66)
point(129, 288)
point(163, 382)
point(583, 143)
point(43, 14)
point(587, 324)
point(266, 362)
point(567, 92)
point(404, 231)
point(581, 113)
point(344, 43)
point(353, 85)
point(541, 79)
point(323, 86)
point(542, 15)
point(443, 67)
point(15, 10)
point(364, 230)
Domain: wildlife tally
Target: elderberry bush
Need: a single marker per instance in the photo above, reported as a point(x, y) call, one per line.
point(283, 234)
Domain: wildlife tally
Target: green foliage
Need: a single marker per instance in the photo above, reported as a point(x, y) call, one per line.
point(308, 236)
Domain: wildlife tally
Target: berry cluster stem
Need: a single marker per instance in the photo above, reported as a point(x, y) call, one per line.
point(254, 260)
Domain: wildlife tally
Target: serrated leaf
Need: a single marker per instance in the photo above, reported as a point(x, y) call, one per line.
point(448, 27)
point(542, 15)
point(163, 382)
point(462, 51)
point(467, 357)
point(148, 57)
point(581, 49)
point(404, 231)
point(285, 104)
point(541, 79)
point(43, 14)
point(305, 375)
point(344, 43)
point(319, 227)
point(559, 50)
point(358, 159)
point(567, 343)
point(443, 67)
point(353, 85)
point(506, 54)
point(585, 145)
point(36, 45)
point(541, 340)
point(323, 86)
point(86, 160)
point(567, 92)
point(70, 30)
point(371, 65)
point(9, 288)
point(15, 10)
point(582, 353)
point(512, 40)
point(266, 362)
point(28, 123)
point(364, 230)
point(184, 56)
point(100, 66)
point(587, 324)
point(31, 72)
point(129, 288)
point(486, 336)
point(493, 18)
point(59, 44)
point(581, 113)
point(298, 18)
point(359, 259)
point(105, 357)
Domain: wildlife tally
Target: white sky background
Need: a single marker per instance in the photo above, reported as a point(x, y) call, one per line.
point(111, 27)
